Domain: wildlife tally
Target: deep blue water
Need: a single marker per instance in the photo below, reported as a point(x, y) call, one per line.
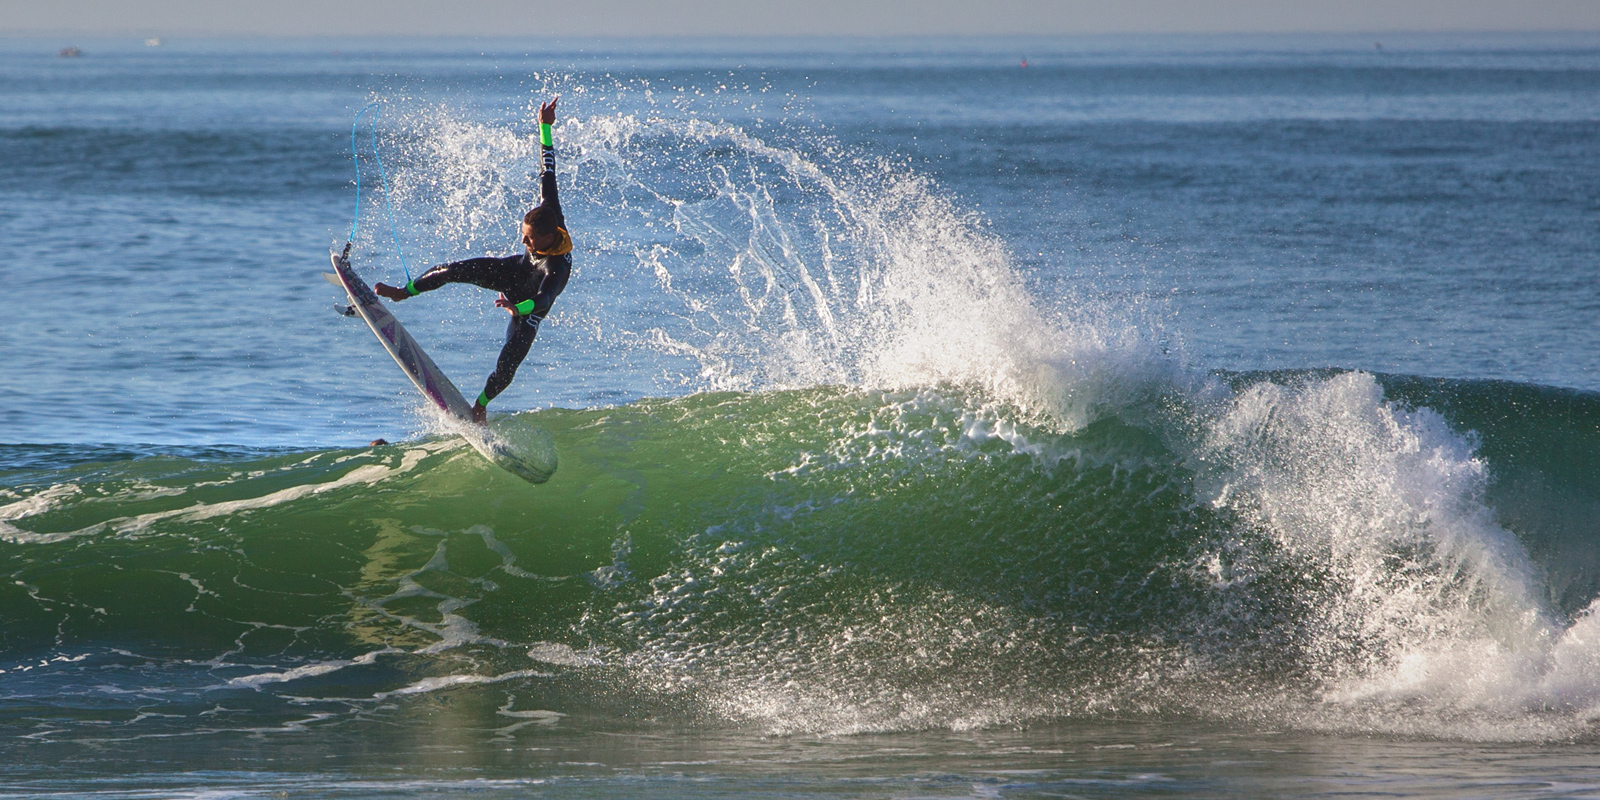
point(1427, 208)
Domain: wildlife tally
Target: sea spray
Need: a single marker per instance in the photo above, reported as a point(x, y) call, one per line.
point(763, 267)
point(514, 444)
point(1415, 599)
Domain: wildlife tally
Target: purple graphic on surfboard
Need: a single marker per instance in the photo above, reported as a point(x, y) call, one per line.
point(413, 360)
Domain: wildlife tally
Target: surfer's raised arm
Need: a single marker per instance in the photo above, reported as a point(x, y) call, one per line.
point(547, 176)
point(528, 283)
point(544, 228)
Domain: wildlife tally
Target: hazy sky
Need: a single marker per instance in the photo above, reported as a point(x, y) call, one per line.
point(755, 17)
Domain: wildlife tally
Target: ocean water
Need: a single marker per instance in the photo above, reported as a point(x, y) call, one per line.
point(1167, 417)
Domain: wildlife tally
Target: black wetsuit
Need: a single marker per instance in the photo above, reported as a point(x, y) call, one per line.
point(519, 278)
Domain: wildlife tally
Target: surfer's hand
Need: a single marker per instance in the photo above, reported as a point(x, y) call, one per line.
point(394, 293)
point(502, 302)
point(547, 112)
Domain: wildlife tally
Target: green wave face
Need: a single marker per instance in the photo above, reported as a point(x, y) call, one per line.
point(711, 544)
point(836, 560)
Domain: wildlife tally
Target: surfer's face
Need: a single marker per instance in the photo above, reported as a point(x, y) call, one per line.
point(534, 242)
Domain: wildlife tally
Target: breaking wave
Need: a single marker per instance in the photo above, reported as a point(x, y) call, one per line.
point(891, 488)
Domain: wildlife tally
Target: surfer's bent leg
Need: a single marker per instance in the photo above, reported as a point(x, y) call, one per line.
point(497, 274)
point(519, 338)
point(523, 329)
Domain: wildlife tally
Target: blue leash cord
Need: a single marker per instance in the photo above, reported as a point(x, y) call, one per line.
point(372, 123)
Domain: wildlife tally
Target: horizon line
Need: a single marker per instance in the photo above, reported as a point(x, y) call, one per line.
point(219, 34)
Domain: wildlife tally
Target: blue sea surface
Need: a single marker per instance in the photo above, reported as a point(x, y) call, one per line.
point(1427, 208)
point(1035, 417)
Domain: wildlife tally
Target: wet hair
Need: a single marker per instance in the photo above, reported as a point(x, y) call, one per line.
point(542, 220)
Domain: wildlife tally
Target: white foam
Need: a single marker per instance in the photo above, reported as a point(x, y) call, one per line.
point(532, 717)
point(429, 685)
point(260, 679)
point(562, 655)
point(1441, 603)
point(1335, 473)
point(31, 506)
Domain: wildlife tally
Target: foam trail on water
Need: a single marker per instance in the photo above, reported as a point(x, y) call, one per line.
point(196, 511)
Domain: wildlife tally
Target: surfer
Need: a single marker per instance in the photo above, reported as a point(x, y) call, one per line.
point(528, 283)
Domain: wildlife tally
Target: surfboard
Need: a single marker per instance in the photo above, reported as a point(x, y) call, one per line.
point(429, 379)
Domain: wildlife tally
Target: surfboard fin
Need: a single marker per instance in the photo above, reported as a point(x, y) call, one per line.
point(344, 311)
point(333, 278)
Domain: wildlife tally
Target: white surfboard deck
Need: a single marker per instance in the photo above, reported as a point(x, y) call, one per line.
point(426, 375)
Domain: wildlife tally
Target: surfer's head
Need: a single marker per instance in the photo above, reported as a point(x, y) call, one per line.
point(540, 229)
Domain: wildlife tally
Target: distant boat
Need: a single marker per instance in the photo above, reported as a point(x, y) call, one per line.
point(154, 41)
point(70, 52)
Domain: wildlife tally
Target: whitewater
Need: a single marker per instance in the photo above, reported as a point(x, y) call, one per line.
point(872, 479)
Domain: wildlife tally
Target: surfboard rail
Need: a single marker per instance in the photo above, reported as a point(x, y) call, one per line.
point(413, 360)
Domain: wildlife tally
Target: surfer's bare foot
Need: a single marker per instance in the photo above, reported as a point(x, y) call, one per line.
point(394, 293)
point(480, 414)
point(377, 442)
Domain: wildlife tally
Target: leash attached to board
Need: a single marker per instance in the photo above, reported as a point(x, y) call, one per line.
point(383, 177)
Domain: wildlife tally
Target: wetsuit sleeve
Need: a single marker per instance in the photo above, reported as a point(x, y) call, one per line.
point(548, 195)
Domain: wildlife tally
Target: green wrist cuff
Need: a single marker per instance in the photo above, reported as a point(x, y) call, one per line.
point(483, 399)
point(526, 306)
point(411, 288)
point(544, 136)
